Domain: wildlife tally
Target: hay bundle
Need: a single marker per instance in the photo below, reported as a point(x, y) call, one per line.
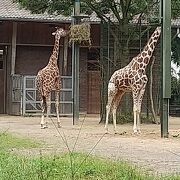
point(80, 33)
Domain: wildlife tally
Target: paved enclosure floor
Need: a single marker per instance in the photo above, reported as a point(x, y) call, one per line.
point(147, 150)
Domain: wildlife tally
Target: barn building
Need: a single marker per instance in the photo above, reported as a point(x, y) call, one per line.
point(26, 43)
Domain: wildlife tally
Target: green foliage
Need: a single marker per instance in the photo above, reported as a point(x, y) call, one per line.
point(7, 141)
point(120, 9)
point(175, 85)
point(58, 167)
point(175, 90)
point(176, 50)
point(175, 5)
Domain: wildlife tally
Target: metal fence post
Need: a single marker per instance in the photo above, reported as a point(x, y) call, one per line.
point(165, 65)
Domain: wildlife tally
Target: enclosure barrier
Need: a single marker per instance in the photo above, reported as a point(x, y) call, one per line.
point(25, 96)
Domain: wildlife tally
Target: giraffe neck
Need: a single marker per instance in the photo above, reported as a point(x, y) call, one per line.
point(54, 56)
point(148, 50)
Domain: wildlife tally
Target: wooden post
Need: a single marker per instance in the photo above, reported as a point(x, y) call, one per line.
point(65, 55)
point(75, 66)
point(13, 49)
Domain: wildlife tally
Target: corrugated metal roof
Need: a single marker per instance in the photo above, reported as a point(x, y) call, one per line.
point(13, 11)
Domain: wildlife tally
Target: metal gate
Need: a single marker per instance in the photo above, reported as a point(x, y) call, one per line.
point(17, 94)
point(30, 102)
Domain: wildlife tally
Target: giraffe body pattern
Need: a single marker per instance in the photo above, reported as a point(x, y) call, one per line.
point(131, 78)
point(48, 79)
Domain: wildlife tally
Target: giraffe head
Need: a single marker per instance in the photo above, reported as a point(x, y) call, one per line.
point(158, 30)
point(60, 32)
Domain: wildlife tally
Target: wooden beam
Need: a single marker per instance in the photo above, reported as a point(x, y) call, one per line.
point(75, 66)
point(65, 55)
point(13, 49)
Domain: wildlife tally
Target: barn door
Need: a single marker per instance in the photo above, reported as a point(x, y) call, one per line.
point(93, 92)
point(2, 80)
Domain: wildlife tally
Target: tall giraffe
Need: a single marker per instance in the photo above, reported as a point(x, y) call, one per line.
point(48, 79)
point(131, 78)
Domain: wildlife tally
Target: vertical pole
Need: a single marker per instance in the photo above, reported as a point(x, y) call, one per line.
point(75, 68)
point(166, 65)
point(13, 49)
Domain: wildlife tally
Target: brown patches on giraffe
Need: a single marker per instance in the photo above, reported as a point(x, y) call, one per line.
point(152, 46)
point(146, 48)
point(140, 59)
point(146, 60)
point(150, 41)
point(144, 54)
point(131, 78)
point(135, 66)
point(48, 79)
point(149, 53)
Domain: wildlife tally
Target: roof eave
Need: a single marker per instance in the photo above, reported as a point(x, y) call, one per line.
point(17, 19)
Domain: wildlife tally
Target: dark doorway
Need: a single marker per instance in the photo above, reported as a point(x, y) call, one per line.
point(93, 92)
point(93, 82)
point(2, 80)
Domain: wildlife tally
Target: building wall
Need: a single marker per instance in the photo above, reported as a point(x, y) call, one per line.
point(33, 49)
point(83, 80)
point(5, 32)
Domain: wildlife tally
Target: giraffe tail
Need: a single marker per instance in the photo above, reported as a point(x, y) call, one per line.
point(44, 103)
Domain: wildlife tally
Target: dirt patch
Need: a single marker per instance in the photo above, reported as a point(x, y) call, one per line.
point(147, 150)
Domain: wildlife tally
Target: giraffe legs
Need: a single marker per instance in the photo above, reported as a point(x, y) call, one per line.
point(43, 124)
point(46, 103)
point(117, 99)
point(140, 98)
point(46, 106)
point(137, 107)
point(48, 109)
point(42, 117)
point(135, 118)
point(108, 108)
point(114, 97)
point(111, 94)
point(57, 109)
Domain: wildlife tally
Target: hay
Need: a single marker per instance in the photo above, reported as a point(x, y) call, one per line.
point(80, 33)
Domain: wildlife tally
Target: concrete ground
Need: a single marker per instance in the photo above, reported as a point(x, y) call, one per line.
point(147, 150)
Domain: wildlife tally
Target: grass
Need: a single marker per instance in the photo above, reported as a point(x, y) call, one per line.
point(58, 167)
point(53, 167)
point(8, 141)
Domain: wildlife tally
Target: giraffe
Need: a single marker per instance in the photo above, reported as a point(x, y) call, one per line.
point(48, 79)
point(131, 78)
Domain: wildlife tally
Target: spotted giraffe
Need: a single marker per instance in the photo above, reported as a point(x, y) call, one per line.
point(131, 78)
point(48, 79)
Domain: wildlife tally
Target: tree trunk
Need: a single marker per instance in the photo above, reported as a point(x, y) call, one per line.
point(150, 91)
